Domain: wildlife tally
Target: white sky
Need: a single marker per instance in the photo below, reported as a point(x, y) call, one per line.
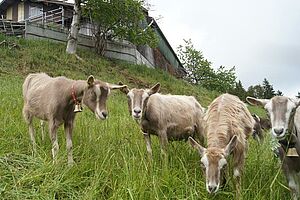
point(260, 37)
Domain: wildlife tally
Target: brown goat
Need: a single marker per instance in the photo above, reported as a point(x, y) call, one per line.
point(228, 126)
point(54, 99)
point(170, 117)
point(261, 125)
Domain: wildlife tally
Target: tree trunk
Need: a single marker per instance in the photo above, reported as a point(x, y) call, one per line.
point(73, 35)
point(100, 42)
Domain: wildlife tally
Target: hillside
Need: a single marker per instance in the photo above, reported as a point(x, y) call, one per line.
point(110, 156)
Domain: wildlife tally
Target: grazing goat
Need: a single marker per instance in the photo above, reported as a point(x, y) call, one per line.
point(285, 120)
point(228, 126)
point(170, 117)
point(261, 124)
point(54, 100)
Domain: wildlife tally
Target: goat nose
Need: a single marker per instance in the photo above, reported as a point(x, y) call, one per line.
point(104, 113)
point(137, 110)
point(278, 131)
point(212, 188)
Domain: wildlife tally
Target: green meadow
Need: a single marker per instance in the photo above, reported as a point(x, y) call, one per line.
point(111, 158)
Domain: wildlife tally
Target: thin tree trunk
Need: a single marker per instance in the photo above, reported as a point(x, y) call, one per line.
point(72, 38)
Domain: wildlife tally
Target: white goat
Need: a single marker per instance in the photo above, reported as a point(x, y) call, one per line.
point(285, 120)
point(228, 126)
point(54, 100)
point(170, 117)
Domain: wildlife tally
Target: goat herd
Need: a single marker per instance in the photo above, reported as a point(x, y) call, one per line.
point(226, 124)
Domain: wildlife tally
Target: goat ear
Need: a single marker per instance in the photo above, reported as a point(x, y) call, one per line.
point(231, 145)
point(124, 89)
point(256, 118)
point(154, 89)
point(197, 146)
point(257, 102)
point(90, 80)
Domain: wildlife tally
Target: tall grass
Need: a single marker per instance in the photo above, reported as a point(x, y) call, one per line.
point(111, 159)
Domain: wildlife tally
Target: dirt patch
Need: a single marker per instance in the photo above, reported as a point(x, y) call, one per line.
point(133, 80)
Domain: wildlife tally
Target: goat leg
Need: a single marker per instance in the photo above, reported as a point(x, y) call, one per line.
point(53, 134)
point(148, 143)
point(68, 130)
point(28, 118)
point(32, 137)
point(163, 139)
point(43, 129)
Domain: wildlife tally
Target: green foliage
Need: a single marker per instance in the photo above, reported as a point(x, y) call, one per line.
point(256, 91)
point(198, 68)
point(110, 156)
point(200, 72)
point(224, 79)
point(119, 19)
point(278, 93)
point(239, 91)
point(268, 89)
point(264, 91)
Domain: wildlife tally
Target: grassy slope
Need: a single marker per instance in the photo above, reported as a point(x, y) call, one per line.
point(111, 161)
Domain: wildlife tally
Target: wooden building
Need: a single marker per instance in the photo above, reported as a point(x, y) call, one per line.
point(58, 13)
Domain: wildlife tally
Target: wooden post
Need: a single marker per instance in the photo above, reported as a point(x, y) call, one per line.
point(43, 20)
point(12, 28)
point(62, 17)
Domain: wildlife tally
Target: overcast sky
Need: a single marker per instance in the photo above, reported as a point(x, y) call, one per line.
point(260, 37)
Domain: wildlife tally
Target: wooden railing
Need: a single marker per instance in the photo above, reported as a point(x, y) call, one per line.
point(52, 18)
point(10, 27)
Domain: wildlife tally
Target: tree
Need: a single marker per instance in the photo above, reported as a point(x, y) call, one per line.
point(119, 19)
point(256, 91)
point(239, 91)
point(198, 68)
point(224, 79)
point(278, 93)
point(200, 72)
point(268, 92)
point(73, 35)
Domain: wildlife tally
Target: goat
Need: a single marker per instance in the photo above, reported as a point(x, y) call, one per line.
point(170, 117)
point(284, 113)
point(261, 124)
point(257, 129)
point(228, 124)
point(54, 99)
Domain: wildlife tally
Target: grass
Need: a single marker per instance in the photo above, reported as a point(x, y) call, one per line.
point(110, 156)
